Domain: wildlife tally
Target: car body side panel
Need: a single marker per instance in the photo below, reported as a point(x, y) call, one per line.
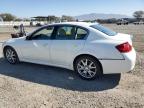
point(103, 49)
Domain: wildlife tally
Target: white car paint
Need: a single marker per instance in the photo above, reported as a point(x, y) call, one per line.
point(62, 53)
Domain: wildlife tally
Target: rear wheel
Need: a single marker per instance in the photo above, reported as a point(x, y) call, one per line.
point(11, 55)
point(87, 67)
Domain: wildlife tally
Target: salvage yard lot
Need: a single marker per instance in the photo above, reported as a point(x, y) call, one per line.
point(35, 86)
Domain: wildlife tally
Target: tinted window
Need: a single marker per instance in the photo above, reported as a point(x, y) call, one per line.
point(43, 34)
point(81, 33)
point(104, 29)
point(66, 33)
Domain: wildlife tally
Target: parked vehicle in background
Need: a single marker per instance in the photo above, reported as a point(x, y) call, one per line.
point(88, 48)
point(122, 22)
point(139, 22)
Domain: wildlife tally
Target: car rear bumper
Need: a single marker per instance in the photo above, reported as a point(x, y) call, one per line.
point(118, 66)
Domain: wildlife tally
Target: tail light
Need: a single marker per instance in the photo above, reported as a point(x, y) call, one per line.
point(124, 48)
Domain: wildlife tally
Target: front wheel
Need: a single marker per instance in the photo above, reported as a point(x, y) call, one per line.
point(87, 67)
point(11, 55)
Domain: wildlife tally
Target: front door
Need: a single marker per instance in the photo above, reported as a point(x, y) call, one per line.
point(37, 48)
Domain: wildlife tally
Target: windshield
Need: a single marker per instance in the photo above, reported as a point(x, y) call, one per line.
point(104, 29)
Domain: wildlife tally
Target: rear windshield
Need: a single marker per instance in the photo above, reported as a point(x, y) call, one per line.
point(104, 29)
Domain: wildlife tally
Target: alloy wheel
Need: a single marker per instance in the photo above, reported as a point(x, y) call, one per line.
point(86, 68)
point(11, 55)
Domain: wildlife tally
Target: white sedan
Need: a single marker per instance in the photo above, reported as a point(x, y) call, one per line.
point(88, 48)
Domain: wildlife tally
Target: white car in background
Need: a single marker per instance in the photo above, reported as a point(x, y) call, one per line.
point(88, 48)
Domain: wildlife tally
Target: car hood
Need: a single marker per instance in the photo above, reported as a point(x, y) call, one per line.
point(14, 39)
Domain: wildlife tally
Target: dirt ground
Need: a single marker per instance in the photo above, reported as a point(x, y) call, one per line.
point(35, 86)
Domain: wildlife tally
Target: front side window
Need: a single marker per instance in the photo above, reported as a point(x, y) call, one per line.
point(66, 33)
point(43, 34)
point(104, 30)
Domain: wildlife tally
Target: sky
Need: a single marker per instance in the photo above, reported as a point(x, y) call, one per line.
point(31, 8)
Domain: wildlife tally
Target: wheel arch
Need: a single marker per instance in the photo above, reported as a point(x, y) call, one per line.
point(89, 55)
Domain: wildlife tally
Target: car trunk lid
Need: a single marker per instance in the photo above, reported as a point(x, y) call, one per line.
point(122, 37)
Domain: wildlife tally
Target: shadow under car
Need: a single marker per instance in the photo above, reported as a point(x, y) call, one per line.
point(57, 77)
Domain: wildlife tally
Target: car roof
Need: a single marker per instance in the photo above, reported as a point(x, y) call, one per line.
point(83, 24)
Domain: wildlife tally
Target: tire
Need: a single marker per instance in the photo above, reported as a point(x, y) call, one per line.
point(87, 67)
point(11, 55)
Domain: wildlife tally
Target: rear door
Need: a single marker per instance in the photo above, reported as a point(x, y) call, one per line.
point(68, 41)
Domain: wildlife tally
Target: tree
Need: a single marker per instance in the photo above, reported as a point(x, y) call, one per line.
point(26, 19)
point(52, 18)
point(138, 14)
point(18, 19)
point(107, 21)
point(67, 18)
point(7, 17)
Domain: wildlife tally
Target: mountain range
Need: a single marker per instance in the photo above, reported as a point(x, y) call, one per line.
point(94, 16)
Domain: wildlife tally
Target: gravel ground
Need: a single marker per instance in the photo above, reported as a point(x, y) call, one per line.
point(35, 86)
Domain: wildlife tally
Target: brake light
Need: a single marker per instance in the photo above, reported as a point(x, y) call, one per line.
point(124, 48)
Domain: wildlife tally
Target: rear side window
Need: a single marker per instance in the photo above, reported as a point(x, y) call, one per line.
point(66, 33)
point(81, 33)
point(104, 30)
